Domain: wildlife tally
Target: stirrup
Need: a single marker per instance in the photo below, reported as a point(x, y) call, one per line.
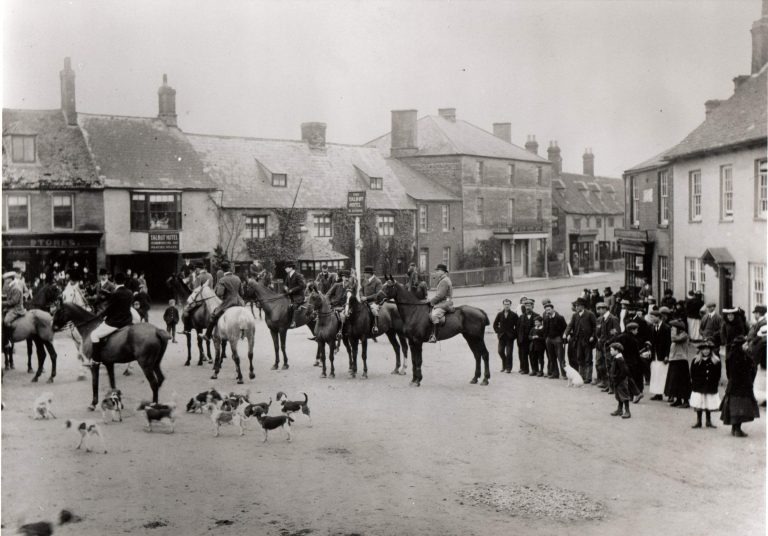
point(432, 339)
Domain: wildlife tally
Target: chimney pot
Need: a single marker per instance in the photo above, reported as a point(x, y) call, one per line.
point(553, 155)
point(711, 105)
point(404, 133)
point(589, 162)
point(447, 113)
point(531, 145)
point(503, 131)
point(166, 96)
point(68, 101)
point(314, 135)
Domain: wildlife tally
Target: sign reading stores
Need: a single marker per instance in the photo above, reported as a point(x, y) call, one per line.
point(355, 203)
point(163, 241)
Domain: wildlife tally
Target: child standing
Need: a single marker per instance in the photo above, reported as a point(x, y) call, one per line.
point(705, 375)
point(620, 378)
point(538, 345)
point(171, 317)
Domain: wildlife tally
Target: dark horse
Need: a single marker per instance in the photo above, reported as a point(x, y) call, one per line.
point(326, 329)
point(466, 320)
point(198, 320)
point(143, 343)
point(277, 317)
point(36, 325)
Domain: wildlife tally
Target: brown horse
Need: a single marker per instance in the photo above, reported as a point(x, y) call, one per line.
point(326, 329)
point(36, 325)
point(276, 310)
point(198, 321)
point(468, 321)
point(143, 343)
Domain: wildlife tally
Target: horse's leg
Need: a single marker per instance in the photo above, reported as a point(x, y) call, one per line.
point(40, 358)
point(188, 335)
point(485, 355)
point(207, 351)
point(416, 357)
point(149, 372)
point(364, 344)
point(236, 359)
point(94, 385)
point(48, 346)
point(217, 360)
point(476, 352)
point(404, 347)
point(332, 345)
point(30, 342)
point(396, 347)
point(321, 355)
point(111, 373)
point(200, 351)
point(283, 334)
point(223, 349)
point(276, 343)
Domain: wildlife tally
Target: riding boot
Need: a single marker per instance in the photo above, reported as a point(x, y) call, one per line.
point(96, 352)
point(185, 322)
point(314, 336)
point(627, 414)
point(433, 336)
point(291, 310)
point(211, 325)
point(375, 324)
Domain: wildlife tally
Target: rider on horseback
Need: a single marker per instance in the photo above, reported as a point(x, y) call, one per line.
point(294, 286)
point(200, 278)
point(117, 315)
point(442, 301)
point(371, 288)
point(13, 302)
point(228, 289)
point(337, 299)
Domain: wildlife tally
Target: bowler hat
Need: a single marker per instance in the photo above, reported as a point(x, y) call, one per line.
point(290, 264)
point(581, 301)
point(546, 301)
point(633, 325)
point(368, 270)
point(601, 305)
point(664, 310)
point(343, 273)
point(760, 309)
point(442, 267)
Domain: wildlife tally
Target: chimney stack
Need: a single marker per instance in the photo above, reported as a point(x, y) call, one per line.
point(589, 162)
point(447, 113)
point(314, 135)
point(68, 105)
point(531, 145)
point(503, 131)
point(167, 103)
point(739, 80)
point(553, 154)
point(404, 133)
point(760, 40)
point(710, 105)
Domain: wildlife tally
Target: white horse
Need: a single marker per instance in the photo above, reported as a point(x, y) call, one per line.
point(236, 323)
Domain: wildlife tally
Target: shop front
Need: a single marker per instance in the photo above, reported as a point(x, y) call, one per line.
point(52, 253)
point(637, 248)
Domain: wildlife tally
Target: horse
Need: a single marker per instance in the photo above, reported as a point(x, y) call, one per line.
point(236, 323)
point(36, 325)
point(466, 320)
point(326, 329)
point(143, 343)
point(277, 317)
point(250, 297)
point(206, 301)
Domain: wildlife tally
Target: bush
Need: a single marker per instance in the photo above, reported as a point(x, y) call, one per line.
point(484, 254)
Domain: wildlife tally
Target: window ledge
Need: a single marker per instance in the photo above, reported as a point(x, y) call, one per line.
point(726, 221)
point(695, 221)
point(760, 218)
point(663, 226)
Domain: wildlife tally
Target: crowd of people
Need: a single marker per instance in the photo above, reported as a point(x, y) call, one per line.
point(678, 349)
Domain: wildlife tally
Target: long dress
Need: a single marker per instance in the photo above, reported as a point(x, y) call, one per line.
point(739, 404)
point(678, 383)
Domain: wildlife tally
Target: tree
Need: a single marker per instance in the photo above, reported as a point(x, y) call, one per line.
point(484, 254)
point(283, 245)
point(231, 226)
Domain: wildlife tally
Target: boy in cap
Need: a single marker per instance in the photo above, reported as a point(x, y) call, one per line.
point(442, 301)
point(607, 328)
point(537, 337)
point(620, 378)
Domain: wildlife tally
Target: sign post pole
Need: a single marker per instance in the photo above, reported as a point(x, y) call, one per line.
point(358, 246)
point(356, 207)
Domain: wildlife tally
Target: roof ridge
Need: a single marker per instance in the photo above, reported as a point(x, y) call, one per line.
point(256, 138)
point(121, 116)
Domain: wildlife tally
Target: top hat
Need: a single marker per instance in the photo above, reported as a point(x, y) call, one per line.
point(368, 270)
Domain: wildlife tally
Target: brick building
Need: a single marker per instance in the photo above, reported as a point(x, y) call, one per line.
point(53, 216)
point(504, 189)
point(586, 209)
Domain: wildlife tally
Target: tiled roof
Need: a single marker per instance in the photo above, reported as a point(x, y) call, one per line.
point(656, 161)
point(583, 194)
point(439, 136)
point(243, 168)
point(62, 158)
point(142, 152)
point(315, 249)
point(743, 118)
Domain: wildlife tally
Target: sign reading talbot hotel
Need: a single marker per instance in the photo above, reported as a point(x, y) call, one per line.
point(355, 203)
point(163, 241)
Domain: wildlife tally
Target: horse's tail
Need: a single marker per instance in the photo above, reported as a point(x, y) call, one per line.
point(486, 321)
point(163, 337)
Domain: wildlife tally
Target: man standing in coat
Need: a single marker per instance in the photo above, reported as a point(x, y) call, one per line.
point(711, 325)
point(505, 327)
point(442, 301)
point(554, 327)
point(370, 289)
point(583, 333)
point(228, 289)
point(524, 341)
point(324, 280)
point(293, 286)
point(693, 306)
point(607, 328)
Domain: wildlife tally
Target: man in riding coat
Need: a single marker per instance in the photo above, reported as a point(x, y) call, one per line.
point(46, 295)
point(200, 278)
point(261, 275)
point(442, 301)
point(337, 299)
point(371, 288)
point(116, 315)
point(13, 299)
point(324, 280)
point(293, 286)
point(228, 289)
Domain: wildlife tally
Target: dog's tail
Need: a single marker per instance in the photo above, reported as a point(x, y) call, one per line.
point(306, 398)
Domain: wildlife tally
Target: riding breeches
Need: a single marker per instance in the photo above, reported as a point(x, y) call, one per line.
point(101, 331)
point(374, 307)
point(437, 314)
point(10, 316)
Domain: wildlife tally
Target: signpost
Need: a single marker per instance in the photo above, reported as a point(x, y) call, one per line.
point(356, 207)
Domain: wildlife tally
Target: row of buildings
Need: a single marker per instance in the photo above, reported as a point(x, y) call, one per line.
point(696, 213)
point(92, 190)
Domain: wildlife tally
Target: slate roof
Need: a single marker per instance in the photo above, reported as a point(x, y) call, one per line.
point(743, 118)
point(656, 161)
point(583, 194)
point(243, 168)
point(439, 136)
point(142, 152)
point(62, 160)
point(315, 249)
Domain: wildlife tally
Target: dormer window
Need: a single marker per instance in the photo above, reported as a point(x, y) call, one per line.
point(23, 149)
point(377, 183)
point(279, 180)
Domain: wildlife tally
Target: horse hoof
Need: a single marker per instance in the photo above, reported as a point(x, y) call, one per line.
point(473, 380)
point(364, 376)
point(333, 375)
point(395, 372)
point(215, 377)
point(34, 380)
point(200, 364)
point(187, 364)
point(484, 382)
point(323, 375)
point(252, 376)
point(239, 381)
point(29, 370)
point(92, 407)
point(274, 367)
point(50, 380)
point(285, 367)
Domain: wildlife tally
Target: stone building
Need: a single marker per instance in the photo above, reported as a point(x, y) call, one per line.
point(504, 189)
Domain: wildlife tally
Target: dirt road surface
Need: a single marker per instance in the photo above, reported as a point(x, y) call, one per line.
point(524, 455)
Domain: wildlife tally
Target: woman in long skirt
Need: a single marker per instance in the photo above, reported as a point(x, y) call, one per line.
point(705, 378)
point(739, 404)
point(678, 384)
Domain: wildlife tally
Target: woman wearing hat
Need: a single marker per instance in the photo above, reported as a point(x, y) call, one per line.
point(705, 378)
point(678, 385)
point(733, 326)
point(739, 404)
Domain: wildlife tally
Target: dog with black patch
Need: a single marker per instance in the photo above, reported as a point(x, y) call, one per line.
point(220, 416)
point(198, 402)
point(42, 407)
point(158, 413)
point(293, 406)
point(272, 423)
point(113, 403)
point(87, 430)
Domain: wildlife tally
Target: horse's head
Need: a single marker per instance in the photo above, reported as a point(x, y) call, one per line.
point(62, 316)
point(389, 288)
point(317, 301)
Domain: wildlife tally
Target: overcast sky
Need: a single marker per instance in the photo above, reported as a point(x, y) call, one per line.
point(628, 79)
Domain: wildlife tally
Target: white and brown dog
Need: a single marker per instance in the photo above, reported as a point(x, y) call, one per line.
point(159, 413)
point(271, 423)
point(112, 403)
point(198, 402)
point(87, 430)
point(42, 407)
point(293, 406)
point(220, 416)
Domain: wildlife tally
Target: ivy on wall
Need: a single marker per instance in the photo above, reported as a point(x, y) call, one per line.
point(484, 254)
point(283, 245)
